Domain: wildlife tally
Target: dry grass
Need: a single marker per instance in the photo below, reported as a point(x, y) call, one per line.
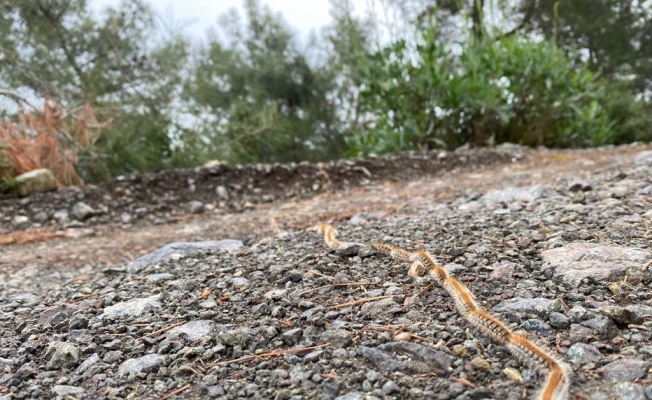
point(50, 138)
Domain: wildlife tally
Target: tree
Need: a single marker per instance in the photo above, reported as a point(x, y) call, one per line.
point(58, 48)
point(263, 99)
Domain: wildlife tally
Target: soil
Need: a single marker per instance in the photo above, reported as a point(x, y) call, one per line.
point(400, 185)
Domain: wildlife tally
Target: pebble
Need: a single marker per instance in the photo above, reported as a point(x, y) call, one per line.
point(626, 369)
point(82, 211)
point(582, 353)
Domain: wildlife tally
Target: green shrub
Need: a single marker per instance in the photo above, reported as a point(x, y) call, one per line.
point(509, 89)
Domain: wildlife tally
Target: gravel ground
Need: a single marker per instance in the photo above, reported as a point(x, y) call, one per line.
point(285, 318)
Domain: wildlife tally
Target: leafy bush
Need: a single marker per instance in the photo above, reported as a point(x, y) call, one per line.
point(509, 89)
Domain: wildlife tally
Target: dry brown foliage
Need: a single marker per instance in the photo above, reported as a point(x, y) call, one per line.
point(50, 138)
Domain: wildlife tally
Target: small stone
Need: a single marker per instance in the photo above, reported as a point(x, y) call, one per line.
point(628, 391)
point(240, 283)
point(537, 305)
point(481, 364)
point(35, 181)
point(577, 314)
point(20, 220)
point(193, 330)
point(146, 363)
point(402, 337)
point(630, 314)
point(559, 320)
point(626, 369)
point(603, 327)
point(61, 215)
point(338, 338)
point(275, 294)
point(417, 269)
point(513, 374)
point(222, 193)
point(292, 336)
point(131, 308)
point(82, 211)
point(643, 159)
point(196, 207)
point(582, 353)
point(313, 356)
point(459, 350)
point(390, 388)
point(66, 391)
point(60, 355)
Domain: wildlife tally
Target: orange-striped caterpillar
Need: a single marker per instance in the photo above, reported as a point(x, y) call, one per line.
point(559, 374)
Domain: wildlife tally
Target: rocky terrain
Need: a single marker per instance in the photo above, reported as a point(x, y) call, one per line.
point(561, 253)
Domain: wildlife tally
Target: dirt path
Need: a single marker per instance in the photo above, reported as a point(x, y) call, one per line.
point(110, 244)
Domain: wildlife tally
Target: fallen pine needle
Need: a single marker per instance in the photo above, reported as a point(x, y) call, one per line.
point(354, 302)
point(271, 354)
point(167, 328)
point(334, 285)
point(647, 265)
point(172, 393)
point(463, 382)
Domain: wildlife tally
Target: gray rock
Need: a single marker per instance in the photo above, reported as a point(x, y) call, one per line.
point(82, 211)
point(35, 181)
point(374, 308)
point(338, 338)
point(626, 369)
point(351, 396)
point(603, 327)
point(193, 330)
point(313, 356)
point(603, 262)
point(41, 216)
point(582, 353)
point(60, 355)
point(89, 362)
point(538, 305)
point(146, 363)
point(579, 186)
point(559, 320)
point(67, 391)
point(536, 326)
point(197, 207)
point(349, 249)
point(186, 249)
point(241, 336)
point(292, 336)
point(407, 358)
point(131, 308)
point(577, 314)
point(580, 334)
point(628, 391)
point(222, 193)
point(512, 194)
point(643, 159)
point(20, 220)
point(631, 314)
point(61, 215)
point(275, 294)
point(390, 388)
point(239, 283)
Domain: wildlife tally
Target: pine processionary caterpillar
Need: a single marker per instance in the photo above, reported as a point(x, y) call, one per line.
point(559, 374)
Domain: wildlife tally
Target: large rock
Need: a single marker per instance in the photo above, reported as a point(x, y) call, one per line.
point(184, 249)
point(512, 194)
point(38, 180)
point(603, 262)
point(643, 159)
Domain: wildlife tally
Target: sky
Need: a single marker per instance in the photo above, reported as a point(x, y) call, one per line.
point(302, 15)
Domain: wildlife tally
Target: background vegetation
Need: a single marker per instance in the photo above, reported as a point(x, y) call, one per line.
point(126, 93)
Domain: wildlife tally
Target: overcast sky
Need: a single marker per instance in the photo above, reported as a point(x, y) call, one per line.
point(301, 15)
